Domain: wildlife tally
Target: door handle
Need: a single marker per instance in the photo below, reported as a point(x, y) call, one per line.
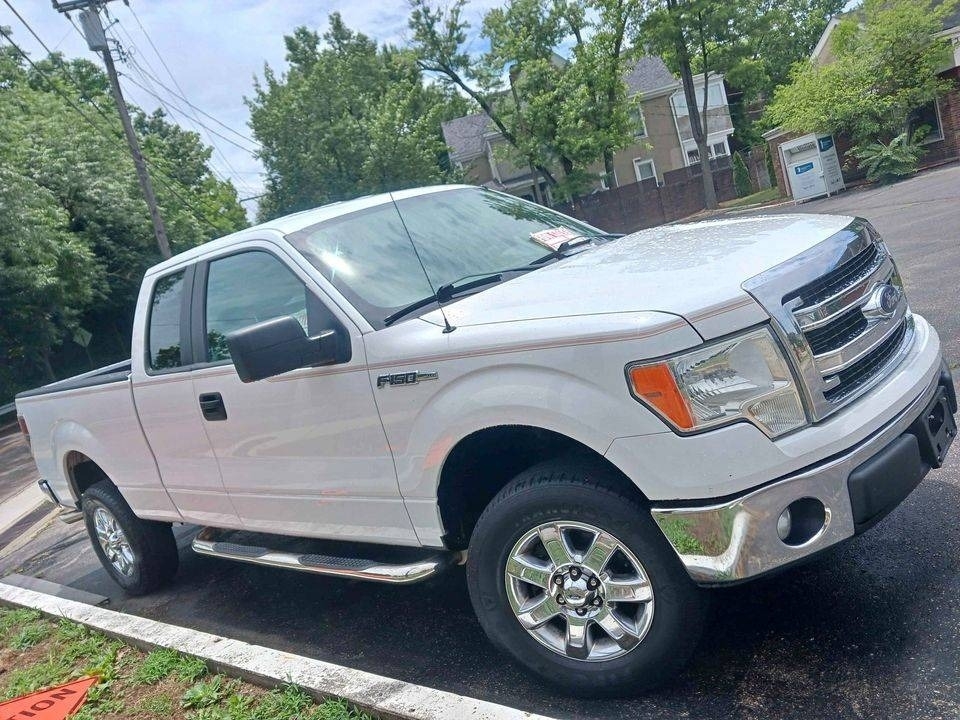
point(212, 407)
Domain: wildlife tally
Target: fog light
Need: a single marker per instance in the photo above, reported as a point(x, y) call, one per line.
point(801, 521)
point(784, 524)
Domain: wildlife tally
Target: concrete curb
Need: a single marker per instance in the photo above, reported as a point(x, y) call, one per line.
point(382, 696)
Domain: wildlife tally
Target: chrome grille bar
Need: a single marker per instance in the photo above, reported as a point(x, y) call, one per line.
point(831, 363)
point(855, 295)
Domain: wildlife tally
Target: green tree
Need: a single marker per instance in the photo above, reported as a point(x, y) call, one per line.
point(75, 234)
point(741, 176)
point(885, 58)
point(347, 118)
point(570, 112)
point(439, 44)
point(692, 32)
point(757, 44)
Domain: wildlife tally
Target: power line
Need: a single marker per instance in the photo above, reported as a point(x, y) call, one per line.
point(160, 176)
point(180, 96)
point(169, 108)
point(130, 58)
point(185, 114)
point(146, 77)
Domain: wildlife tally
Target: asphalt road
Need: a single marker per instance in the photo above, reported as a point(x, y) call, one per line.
point(871, 629)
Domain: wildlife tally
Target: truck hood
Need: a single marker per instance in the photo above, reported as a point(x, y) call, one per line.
point(692, 270)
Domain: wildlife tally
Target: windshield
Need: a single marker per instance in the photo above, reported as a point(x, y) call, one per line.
point(368, 257)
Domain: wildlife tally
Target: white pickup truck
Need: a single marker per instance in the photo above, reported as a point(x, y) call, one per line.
point(597, 426)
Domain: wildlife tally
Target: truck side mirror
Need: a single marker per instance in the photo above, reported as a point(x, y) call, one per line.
point(276, 346)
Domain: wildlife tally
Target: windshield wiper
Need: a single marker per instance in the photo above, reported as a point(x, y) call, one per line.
point(448, 291)
point(573, 242)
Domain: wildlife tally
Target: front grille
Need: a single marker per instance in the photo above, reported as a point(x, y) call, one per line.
point(864, 370)
point(838, 279)
point(838, 333)
point(850, 350)
point(830, 315)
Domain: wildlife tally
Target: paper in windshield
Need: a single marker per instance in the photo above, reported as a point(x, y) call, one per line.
point(553, 238)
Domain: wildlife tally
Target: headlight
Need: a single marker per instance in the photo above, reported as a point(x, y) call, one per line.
point(743, 377)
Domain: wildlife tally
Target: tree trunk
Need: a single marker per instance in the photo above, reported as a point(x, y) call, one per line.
point(709, 189)
point(47, 367)
point(608, 169)
point(698, 121)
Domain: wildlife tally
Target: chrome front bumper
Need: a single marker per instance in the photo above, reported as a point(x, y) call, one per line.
point(735, 540)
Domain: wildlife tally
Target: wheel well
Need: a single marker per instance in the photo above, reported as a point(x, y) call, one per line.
point(482, 463)
point(82, 472)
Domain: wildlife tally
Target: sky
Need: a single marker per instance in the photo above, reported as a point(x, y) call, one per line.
point(213, 50)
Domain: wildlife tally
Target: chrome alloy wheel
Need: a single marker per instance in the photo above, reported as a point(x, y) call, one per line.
point(113, 541)
point(579, 591)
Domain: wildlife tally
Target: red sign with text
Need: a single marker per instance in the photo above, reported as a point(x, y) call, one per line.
point(56, 703)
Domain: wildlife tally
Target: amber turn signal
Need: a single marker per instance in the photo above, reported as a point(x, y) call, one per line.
point(655, 384)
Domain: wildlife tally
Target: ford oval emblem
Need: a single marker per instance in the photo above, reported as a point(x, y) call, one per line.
point(883, 301)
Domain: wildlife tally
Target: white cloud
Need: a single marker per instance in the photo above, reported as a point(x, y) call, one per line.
point(214, 49)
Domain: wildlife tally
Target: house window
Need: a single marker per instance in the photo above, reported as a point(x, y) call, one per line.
point(693, 156)
point(645, 169)
point(638, 122)
point(719, 149)
point(927, 116)
point(715, 98)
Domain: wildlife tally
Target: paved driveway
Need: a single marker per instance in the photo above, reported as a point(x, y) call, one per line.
point(868, 630)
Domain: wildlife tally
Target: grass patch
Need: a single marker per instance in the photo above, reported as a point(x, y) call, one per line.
point(13, 619)
point(763, 196)
point(30, 634)
point(161, 664)
point(36, 653)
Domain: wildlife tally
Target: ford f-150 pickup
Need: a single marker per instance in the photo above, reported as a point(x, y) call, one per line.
point(599, 427)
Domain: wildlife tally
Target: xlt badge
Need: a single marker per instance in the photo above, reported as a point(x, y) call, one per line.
point(405, 378)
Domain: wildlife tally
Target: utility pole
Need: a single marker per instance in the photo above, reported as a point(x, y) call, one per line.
point(97, 42)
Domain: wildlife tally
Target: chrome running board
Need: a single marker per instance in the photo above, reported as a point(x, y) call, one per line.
point(419, 565)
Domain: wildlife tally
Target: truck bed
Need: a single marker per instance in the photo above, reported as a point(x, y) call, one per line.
point(117, 372)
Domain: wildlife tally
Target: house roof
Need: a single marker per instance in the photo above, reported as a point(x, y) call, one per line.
point(464, 135)
point(649, 73)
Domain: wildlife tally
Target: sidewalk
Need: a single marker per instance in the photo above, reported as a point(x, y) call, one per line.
point(22, 505)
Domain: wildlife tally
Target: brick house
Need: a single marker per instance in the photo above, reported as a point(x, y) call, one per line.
point(663, 139)
point(942, 115)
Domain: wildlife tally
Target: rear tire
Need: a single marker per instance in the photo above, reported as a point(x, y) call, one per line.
point(140, 555)
point(638, 590)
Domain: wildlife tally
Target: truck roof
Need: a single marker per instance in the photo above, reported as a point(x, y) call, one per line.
point(299, 220)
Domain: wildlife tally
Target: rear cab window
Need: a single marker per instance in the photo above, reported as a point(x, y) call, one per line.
point(164, 333)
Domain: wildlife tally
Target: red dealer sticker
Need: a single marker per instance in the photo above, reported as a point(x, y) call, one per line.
point(56, 703)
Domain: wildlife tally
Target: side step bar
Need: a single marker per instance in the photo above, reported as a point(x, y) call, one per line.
point(358, 568)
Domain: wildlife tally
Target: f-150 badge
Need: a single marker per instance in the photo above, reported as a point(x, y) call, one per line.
point(405, 378)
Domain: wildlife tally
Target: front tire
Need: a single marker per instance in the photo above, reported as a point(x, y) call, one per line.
point(140, 555)
point(569, 574)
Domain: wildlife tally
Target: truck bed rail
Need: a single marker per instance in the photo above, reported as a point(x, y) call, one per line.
point(117, 372)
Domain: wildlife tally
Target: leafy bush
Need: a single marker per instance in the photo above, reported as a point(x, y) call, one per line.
point(885, 163)
point(741, 176)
